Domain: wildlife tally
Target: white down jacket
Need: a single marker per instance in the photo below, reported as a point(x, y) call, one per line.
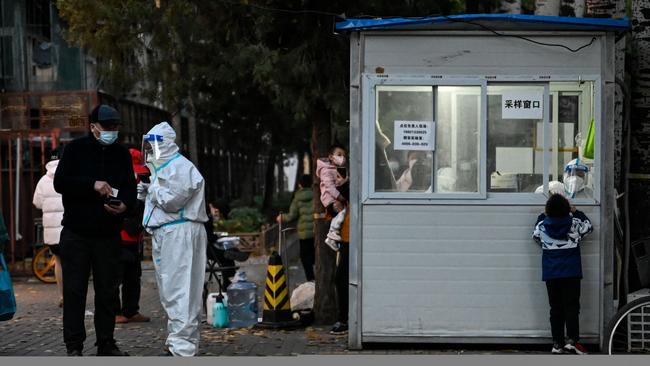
point(48, 200)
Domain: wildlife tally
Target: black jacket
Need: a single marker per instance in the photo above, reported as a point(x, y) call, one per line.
point(85, 161)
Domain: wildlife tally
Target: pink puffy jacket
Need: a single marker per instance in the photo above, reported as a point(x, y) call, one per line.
point(329, 180)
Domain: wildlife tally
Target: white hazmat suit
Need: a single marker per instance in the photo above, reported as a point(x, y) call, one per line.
point(174, 216)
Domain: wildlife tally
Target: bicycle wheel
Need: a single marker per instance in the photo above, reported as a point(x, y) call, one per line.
point(629, 330)
point(43, 265)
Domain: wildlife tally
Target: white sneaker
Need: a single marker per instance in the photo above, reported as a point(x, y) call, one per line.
point(334, 245)
point(334, 236)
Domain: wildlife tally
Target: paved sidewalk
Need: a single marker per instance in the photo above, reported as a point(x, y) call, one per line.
point(36, 329)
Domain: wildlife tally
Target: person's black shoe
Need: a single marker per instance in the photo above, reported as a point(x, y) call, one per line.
point(74, 352)
point(110, 350)
point(339, 328)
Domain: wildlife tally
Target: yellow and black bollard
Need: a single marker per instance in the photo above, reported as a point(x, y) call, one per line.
point(277, 308)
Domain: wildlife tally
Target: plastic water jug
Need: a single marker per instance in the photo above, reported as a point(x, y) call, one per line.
point(242, 302)
point(219, 313)
point(209, 304)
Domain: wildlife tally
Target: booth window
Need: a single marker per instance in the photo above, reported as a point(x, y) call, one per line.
point(573, 135)
point(514, 114)
point(427, 139)
point(516, 145)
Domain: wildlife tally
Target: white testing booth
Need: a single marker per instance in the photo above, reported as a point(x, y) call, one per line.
point(459, 125)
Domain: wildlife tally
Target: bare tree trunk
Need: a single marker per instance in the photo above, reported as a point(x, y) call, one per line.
point(246, 184)
point(619, 104)
point(547, 7)
point(640, 123)
point(572, 8)
point(325, 305)
point(269, 181)
point(300, 169)
point(510, 7)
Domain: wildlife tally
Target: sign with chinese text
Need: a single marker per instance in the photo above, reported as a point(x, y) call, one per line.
point(522, 105)
point(415, 135)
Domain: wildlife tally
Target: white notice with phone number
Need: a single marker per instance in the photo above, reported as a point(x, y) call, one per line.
point(415, 135)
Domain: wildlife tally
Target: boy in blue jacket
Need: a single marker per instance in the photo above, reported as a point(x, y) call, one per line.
point(559, 231)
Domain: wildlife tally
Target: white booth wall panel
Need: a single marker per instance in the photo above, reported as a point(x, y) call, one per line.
point(479, 55)
point(464, 271)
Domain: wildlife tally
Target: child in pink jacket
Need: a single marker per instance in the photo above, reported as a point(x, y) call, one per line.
point(330, 196)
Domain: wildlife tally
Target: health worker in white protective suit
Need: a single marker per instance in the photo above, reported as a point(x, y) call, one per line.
point(574, 182)
point(175, 215)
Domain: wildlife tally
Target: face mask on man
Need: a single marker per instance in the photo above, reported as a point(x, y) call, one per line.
point(105, 137)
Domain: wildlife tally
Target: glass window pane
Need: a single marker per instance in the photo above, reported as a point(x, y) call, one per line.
point(515, 151)
point(395, 104)
point(411, 144)
point(572, 165)
point(457, 152)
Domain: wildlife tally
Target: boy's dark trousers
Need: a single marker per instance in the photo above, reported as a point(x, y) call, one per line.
point(564, 299)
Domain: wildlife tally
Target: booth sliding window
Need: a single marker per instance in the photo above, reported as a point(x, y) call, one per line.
point(427, 139)
point(516, 130)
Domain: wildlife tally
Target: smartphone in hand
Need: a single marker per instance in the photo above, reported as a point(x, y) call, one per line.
point(114, 202)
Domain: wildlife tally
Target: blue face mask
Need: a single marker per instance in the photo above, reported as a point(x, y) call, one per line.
point(107, 137)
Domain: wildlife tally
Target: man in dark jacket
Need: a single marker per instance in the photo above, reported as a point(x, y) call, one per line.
point(97, 183)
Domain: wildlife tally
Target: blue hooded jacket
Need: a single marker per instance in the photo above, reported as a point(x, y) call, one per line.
point(560, 238)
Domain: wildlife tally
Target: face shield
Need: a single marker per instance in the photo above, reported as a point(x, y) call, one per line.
point(151, 147)
point(574, 178)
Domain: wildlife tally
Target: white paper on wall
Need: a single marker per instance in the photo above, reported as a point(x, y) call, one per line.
point(517, 160)
point(414, 135)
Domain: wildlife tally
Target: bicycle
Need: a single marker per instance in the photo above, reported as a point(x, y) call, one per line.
point(43, 265)
point(629, 329)
point(43, 262)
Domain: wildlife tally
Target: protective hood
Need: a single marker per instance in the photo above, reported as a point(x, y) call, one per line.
point(51, 168)
point(575, 177)
point(164, 137)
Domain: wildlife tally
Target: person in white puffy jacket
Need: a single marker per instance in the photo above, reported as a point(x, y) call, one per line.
point(48, 200)
point(174, 215)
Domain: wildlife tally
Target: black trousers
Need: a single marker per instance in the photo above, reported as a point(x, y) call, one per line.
point(342, 279)
point(79, 255)
point(564, 299)
point(128, 276)
point(308, 257)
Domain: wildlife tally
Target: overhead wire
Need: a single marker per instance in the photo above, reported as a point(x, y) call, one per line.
point(342, 16)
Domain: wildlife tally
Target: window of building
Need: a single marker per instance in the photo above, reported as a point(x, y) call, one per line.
point(427, 139)
point(478, 140)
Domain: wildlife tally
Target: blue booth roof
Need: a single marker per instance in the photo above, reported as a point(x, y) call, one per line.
point(499, 21)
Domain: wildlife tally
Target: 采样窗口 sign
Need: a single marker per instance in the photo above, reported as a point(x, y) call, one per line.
point(522, 105)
